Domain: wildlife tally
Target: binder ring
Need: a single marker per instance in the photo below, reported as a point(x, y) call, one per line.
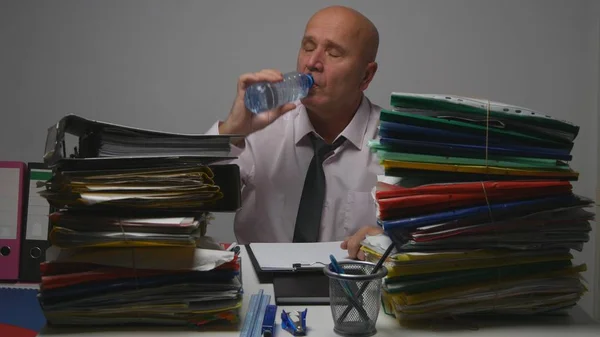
point(5, 251)
point(35, 252)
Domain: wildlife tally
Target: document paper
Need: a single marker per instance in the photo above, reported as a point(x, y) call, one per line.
point(282, 256)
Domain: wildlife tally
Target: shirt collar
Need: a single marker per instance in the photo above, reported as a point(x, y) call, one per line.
point(354, 131)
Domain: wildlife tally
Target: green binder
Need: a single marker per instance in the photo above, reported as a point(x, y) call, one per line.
point(452, 125)
point(386, 153)
point(477, 109)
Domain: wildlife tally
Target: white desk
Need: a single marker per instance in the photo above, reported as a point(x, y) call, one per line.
point(319, 322)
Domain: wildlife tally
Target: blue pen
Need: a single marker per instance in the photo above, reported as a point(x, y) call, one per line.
point(336, 268)
point(334, 264)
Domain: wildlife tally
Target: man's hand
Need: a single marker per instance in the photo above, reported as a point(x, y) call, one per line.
point(352, 244)
point(242, 121)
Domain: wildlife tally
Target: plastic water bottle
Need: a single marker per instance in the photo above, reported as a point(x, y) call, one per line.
point(264, 96)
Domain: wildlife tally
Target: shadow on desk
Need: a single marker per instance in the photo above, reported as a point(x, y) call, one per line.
point(50, 330)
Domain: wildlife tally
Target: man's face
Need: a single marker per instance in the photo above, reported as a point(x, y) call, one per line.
point(331, 51)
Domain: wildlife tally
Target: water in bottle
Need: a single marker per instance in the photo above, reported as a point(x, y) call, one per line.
point(264, 96)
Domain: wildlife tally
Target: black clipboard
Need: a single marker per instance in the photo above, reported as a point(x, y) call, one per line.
point(298, 285)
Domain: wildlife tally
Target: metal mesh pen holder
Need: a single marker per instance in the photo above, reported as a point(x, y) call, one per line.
point(355, 297)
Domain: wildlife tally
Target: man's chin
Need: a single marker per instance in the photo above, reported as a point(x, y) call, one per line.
point(313, 103)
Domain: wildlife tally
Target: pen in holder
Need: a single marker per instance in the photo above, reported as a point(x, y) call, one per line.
point(349, 287)
point(354, 312)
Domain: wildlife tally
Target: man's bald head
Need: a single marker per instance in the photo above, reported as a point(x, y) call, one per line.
point(338, 48)
point(357, 25)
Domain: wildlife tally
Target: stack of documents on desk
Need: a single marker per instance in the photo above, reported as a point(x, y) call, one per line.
point(478, 201)
point(99, 139)
point(129, 239)
point(186, 286)
point(71, 230)
point(448, 138)
point(116, 141)
point(143, 188)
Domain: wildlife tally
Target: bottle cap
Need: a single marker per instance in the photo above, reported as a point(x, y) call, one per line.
point(311, 80)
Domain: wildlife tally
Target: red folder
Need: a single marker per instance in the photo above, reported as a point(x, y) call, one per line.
point(12, 176)
point(397, 202)
point(101, 273)
point(16, 331)
point(385, 190)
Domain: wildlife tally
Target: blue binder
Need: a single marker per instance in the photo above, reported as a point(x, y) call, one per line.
point(413, 132)
point(474, 151)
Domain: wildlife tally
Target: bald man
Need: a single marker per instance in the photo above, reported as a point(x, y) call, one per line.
point(290, 194)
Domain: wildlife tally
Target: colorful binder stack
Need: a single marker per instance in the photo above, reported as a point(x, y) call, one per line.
point(477, 198)
point(129, 242)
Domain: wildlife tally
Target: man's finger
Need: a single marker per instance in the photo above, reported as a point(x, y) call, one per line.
point(361, 255)
point(353, 246)
point(374, 231)
point(247, 80)
point(273, 73)
point(285, 108)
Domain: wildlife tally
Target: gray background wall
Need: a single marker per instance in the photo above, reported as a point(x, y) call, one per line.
point(173, 65)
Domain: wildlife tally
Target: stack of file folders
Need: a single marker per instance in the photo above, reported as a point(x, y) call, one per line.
point(129, 241)
point(477, 198)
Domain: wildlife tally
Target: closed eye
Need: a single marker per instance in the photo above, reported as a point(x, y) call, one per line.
point(334, 53)
point(335, 50)
point(309, 46)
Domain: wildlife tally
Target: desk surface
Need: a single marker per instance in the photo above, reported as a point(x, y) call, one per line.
point(319, 322)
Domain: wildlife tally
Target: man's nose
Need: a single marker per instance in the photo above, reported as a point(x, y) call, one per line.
point(315, 61)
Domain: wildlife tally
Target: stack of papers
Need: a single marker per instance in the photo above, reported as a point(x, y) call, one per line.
point(184, 286)
point(156, 188)
point(116, 141)
point(129, 241)
point(477, 198)
point(100, 139)
point(95, 230)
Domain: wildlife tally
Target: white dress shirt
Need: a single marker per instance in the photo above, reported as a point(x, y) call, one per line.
point(273, 166)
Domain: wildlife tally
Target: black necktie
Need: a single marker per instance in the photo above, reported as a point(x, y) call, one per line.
point(308, 220)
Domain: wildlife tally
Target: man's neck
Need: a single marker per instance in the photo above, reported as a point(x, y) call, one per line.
point(330, 124)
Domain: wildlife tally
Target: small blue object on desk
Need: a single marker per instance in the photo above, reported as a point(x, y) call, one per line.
point(294, 322)
point(257, 307)
point(268, 325)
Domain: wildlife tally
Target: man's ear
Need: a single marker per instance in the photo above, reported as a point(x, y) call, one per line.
point(369, 74)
